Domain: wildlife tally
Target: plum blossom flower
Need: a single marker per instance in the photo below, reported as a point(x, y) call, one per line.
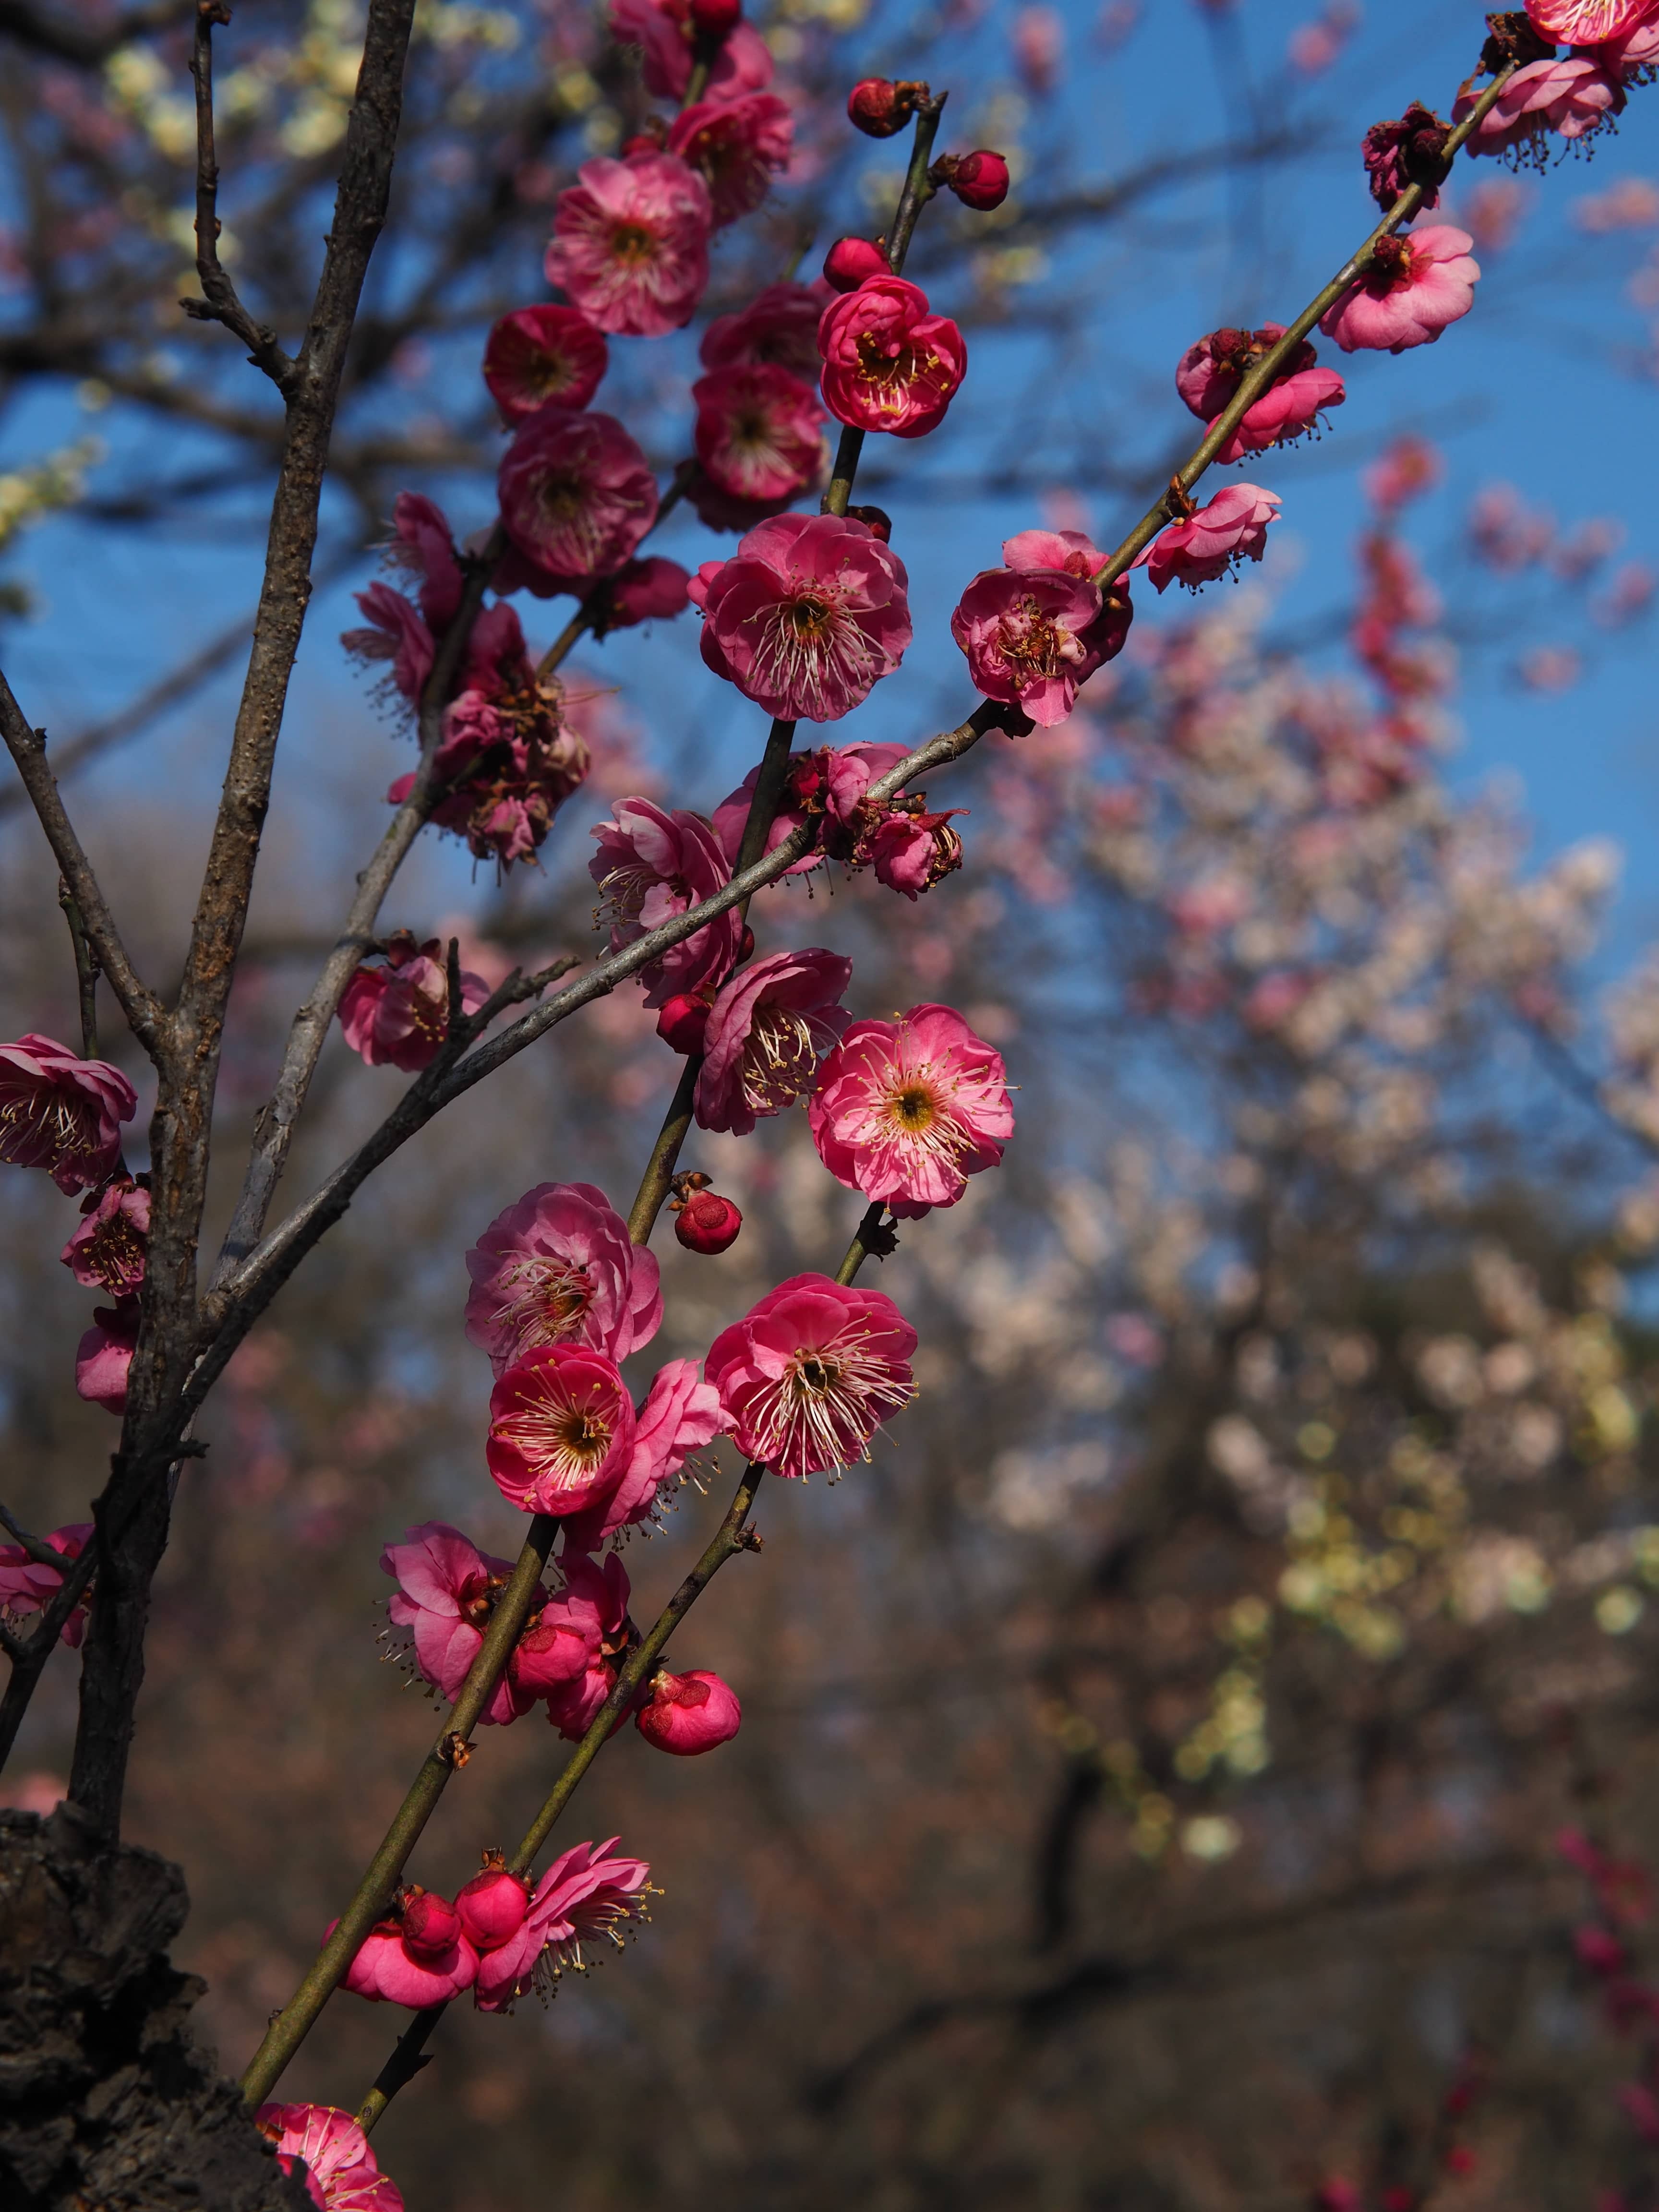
point(543, 356)
point(1629, 52)
point(737, 147)
point(663, 30)
point(63, 1113)
point(1032, 636)
point(630, 243)
point(1587, 22)
point(768, 1029)
point(652, 865)
point(556, 1267)
point(1232, 527)
point(680, 1413)
point(1211, 372)
point(577, 494)
point(847, 265)
point(417, 1956)
point(1411, 151)
point(397, 1015)
point(585, 1894)
point(907, 1110)
point(759, 433)
point(1419, 283)
point(560, 1430)
point(109, 1251)
point(810, 1372)
point(29, 1585)
point(806, 617)
point(910, 849)
point(890, 363)
point(341, 2172)
point(600, 1588)
point(689, 1713)
point(491, 1907)
point(103, 1358)
point(778, 329)
point(652, 590)
point(400, 631)
point(831, 782)
point(1572, 99)
point(447, 1591)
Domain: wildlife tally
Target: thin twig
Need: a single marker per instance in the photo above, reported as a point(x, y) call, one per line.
point(34, 1547)
point(86, 971)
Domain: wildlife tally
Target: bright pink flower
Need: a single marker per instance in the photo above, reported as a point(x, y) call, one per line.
point(543, 356)
point(493, 1905)
point(652, 865)
point(448, 1590)
point(806, 616)
point(402, 632)
point(598, 1592)
point(707, 1222)
point(396, 632)
point(63, 1113)
point(847, 265)
point(340, 2172)
point(681, 1414)
point(556, 1267)
point(1034, 635)
point(1633, 51)
point(571, 1633)
point(630, 244)
point(652, 590)
point(1409, 150)
point(577, 494)
point(759, 432)
point(103, 1356)
point(767, 1029)
point(1585, 22)
point(828, 781)
point(664, 32)
point(1067, 550)
point(108, 1251)
point(689, 1713)
point(907, 1110)
point(1233, 527)
point(911, 851)
point(560, 1430)
point(737, 147)
point(890, 363)
point(1569, 99)
point(505, 766)
point(1211, 372)
point(778, 329)
point(417, 1956)
point(397, 1015)
point(28, 1586)
point(810, 1372)
point(1420, 282)
point(585, 1894)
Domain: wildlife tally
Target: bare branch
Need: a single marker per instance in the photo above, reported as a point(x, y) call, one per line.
point(67, 40)
point(34, 1547)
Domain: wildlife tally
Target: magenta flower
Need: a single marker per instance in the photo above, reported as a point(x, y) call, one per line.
point(560, 1430)
point(1569, 99)
point(1033, 637)
point(1420, 283)
point(62, 1113)
point(400, 631)
point(630, 244)
point(397, 1015)
point(759, 432)
point(652, 590)
point(681, 1414)
point(585, 1894)
point(1211, 372)
point(778, 329)
point(737, 147)
point(907, 1110)
point(767, 1029)
point(1233, 527)
point(396, 632)
point(911, 851)
point(110, 1250)
point(806, 617)
point(571, 1634)
point(340, 2170)
point(543, 356)
point(556, 1268)
point(829, 781)
point(600, 1590)
point(577, 494)
point(890, 363)
point(448, 1590)
point(491, 1907)
point(417, 1956)
point(28, 1586)
point(652, 865)
point(103, 1358)
point(1586, 22)
point(688, 1714)
point(663, 30)
point(810, 1372)
point(1628, 52)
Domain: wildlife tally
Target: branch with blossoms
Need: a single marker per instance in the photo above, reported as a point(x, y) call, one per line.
point(805, 618)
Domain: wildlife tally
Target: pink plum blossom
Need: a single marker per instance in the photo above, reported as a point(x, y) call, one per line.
point(63, 1113)
point(737, 147)
point(806, 617)
point(340, 2172)
point(910, 849)
point(1211, 372)
point(400, 631)
point(630, 243)
point(907, 1110)
point(577, 494)
point(1032, 636)
point(417, 1956)
point(397, 1015)
point(29, 1585)
point(585, 1894)
point(1632, 50)
point(689, 1713)
point(663, 30)
point(492, 1907)
point(599, 1588)
point(767, 1032)
point(778, 329)
point(759, 432)
point(810, 1372)
point(396, 632)
point(103, 1356)
point(542, 356)
point(560, 1430)
point(447, 1591)
point(652, 590)
point(829, 781)
point(1569, 99)
point(652, 865)
point(109, 1251)
point(1419, 283)
point(681, 1414)
point(556, 1267)
point(890, 363)
point(1232, 527)
point(1587, 22)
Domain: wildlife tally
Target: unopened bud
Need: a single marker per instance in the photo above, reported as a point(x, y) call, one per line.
point(683, 1021)
point(689, 1713)
point(850, 260)
point(979, 181)
point(431, 1925)
point(878, 107)
point(876, 520)
point(707, 1222)
point(491, 1907)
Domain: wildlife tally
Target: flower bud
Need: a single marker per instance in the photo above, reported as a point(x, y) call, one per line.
point(876, 519)
point(876, 106)
point(979, 181)
point(707, 1222)
point(716, 19)
point(492, 1905)
point(683, 1021)
point(689, 1713)
point(648, 139)
point(431, 1925)
point(850, 260)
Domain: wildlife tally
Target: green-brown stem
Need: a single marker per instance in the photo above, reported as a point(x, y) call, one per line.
point(86, 971)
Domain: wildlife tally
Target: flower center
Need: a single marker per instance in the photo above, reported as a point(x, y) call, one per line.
point(564, 1438)
point(914, 1107)
point(779, 1060)
point(1036, 646)
point(827, 1403)
point(632, 244)
point(57, 1116)
point(544, 1298)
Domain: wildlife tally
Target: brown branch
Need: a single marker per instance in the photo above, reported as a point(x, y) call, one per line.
point(66, 40)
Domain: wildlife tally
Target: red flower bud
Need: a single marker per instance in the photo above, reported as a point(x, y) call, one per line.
point(648, 139)
point(850, 260)
point(746, 945)
point(716, 19)
point(979, 181)
point(682, 1022)
point(707, 1222)
point(431, 1925)
point(877, 107)
point(876, 520)
point(491, 1907)
point(689, 1713)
